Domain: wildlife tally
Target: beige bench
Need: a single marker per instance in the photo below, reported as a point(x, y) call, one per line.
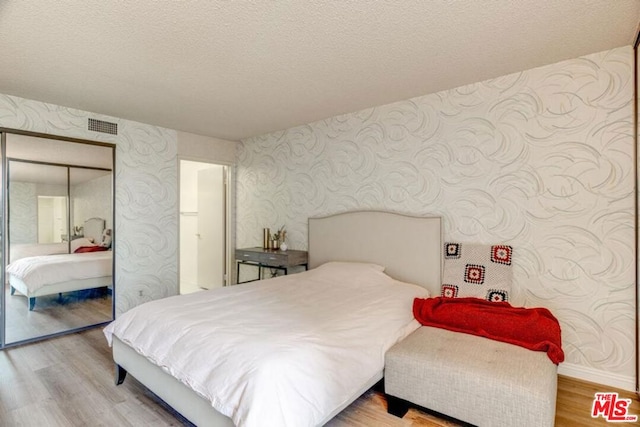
point(473, 379)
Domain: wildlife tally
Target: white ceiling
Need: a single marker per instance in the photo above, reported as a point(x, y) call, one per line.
point(234, 69)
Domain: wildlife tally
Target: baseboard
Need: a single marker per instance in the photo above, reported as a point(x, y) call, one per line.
point(597, 376)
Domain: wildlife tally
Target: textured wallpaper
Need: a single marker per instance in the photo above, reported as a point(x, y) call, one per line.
point(146, 260)
point(92, 199)
point(146, 214)
point(541, 160)
point(23, 211)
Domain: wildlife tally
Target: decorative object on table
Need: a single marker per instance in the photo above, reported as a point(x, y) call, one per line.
point(277, 238)
point(283, 238)
point(266, 238)
point(481, 271)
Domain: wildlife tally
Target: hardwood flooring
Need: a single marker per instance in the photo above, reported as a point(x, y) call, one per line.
point(68, 381)
point(53, 314)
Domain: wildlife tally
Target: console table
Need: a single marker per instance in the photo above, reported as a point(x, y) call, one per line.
point(270, 258)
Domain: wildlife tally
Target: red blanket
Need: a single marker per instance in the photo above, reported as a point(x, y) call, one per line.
point(532, 328)
point(83, 249)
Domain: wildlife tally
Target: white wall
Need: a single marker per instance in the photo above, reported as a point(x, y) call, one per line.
point(206, 149)
point(23, 211)
point(541, 160)
point(92, 199)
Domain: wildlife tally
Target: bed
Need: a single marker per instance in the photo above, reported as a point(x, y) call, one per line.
point(335, 323)
point(89, 266)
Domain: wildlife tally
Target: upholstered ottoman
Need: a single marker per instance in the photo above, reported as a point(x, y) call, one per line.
point(474, 379)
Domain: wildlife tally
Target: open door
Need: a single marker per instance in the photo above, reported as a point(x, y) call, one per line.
point(211, 227)
point(52, 219)
point(203, 226)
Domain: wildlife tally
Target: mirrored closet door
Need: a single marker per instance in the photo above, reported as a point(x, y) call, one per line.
point(57, 236)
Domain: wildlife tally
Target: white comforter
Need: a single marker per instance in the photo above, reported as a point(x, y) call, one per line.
point(37, 249)
point(24, 250)
point(287, 351)
point(39, 271)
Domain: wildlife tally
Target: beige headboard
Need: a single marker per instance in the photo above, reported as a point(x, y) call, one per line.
point(409, 247)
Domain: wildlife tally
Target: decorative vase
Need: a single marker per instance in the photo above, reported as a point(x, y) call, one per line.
point(283, 246)
point(266, 238)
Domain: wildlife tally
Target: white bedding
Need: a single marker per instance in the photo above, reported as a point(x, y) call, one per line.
point(25, 250)
point(280, 352)
point(39, 271)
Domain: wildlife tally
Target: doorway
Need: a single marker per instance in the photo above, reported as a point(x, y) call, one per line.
point(203, 226)
point(52, 219)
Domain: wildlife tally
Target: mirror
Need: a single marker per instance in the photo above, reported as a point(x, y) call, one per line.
point(58, 237)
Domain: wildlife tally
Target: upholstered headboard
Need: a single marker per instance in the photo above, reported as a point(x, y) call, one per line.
point(93, 228)
point(409, 247)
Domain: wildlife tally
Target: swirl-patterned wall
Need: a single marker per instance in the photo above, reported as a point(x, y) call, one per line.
point(23, 211)
point(146, 220)
point(92, 199)
point(541, 160)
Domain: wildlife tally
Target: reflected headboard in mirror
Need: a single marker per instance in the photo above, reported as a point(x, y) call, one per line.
point(93, 228)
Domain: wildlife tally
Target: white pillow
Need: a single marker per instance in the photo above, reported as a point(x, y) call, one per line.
point(78, 243)
point(350, 267)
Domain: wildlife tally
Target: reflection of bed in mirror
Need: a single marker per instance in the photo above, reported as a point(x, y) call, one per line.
point(88, 266)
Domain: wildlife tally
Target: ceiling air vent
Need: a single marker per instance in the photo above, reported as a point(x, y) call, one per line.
point(102, 126)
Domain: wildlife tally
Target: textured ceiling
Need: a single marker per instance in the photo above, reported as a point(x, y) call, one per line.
point(234, 69)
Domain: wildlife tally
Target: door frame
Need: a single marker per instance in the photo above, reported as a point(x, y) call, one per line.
point(228, 212)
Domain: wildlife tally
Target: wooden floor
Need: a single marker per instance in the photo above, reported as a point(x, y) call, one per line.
point(68, 381)
point(53, 314)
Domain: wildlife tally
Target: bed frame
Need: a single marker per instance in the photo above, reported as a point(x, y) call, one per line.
point(409, 247)
point(58, 288)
